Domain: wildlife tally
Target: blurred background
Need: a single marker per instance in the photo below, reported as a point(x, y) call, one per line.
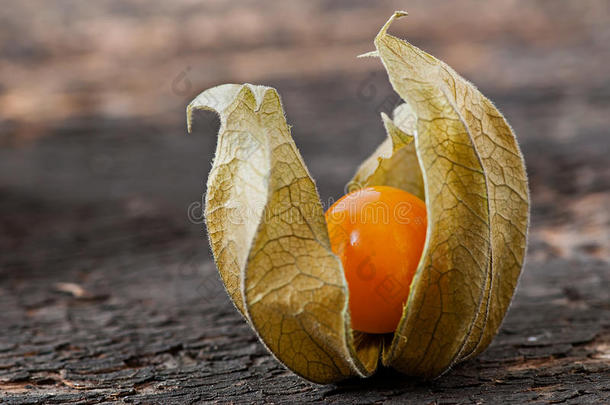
point(98, 176)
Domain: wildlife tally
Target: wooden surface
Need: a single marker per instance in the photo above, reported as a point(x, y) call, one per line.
point(107, 290)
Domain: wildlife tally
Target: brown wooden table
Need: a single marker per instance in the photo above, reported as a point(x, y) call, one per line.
point(107, 290)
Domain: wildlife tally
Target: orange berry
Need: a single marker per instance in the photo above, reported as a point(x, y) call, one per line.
point(379, 234)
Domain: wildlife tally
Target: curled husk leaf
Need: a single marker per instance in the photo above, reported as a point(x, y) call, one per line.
point(448, 145)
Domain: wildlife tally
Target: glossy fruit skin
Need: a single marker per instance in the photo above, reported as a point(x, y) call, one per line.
point(379, 234)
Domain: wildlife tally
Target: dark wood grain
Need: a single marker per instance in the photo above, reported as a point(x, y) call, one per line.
point(107, 289)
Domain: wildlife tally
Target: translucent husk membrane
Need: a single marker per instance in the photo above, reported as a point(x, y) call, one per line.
point(448, 145)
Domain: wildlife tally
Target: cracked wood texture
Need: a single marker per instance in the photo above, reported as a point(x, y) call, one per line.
point(107, 290)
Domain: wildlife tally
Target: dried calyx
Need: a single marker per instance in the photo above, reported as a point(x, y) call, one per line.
point(448, 145)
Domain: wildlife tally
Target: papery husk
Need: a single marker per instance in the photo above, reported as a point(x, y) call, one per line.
point(446, 144)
